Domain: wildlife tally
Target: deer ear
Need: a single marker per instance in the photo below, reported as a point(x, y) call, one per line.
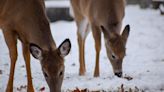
point(65, 47)
point(36, 51)
point(125, 33)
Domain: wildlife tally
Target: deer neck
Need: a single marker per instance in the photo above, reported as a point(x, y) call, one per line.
point(37, 32)
point(106, 12)
point(2, 3)
point(28, 21)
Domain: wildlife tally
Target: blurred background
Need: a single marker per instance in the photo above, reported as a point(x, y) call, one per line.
point(59, 9)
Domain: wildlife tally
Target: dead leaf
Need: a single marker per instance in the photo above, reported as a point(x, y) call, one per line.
point(76, 90)
point(84, 90)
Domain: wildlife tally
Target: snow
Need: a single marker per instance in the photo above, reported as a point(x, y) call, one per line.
point(144, 60)
point(58, 3)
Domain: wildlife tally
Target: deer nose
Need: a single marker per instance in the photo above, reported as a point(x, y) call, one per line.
point(119, 74)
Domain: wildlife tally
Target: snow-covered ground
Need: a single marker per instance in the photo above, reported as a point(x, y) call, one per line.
point(144, 60)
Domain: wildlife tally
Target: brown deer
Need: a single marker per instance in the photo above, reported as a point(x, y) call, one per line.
point(102, 16)
point(26, 20)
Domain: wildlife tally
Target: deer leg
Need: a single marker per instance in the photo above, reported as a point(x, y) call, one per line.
point(82, 34)
point(26, 54)
point(81, 42)
point(11, 41)
point(97, 37)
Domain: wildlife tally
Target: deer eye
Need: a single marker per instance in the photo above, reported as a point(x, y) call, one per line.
point(61, 73)
point(113, 56)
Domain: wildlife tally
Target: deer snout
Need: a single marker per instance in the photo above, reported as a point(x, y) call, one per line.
point(118, 74)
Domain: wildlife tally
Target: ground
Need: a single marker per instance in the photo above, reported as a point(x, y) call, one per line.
point(144, 60)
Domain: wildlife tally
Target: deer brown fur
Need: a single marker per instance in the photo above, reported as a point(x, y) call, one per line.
point(26, 20)
point(102, 16)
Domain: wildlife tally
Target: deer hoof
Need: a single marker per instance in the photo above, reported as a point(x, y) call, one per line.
point(81, 73)
point(96, 74)
point(9, 90)
point(30, 89)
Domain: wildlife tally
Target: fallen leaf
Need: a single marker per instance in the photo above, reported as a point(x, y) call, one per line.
point(84, 90)
point(76, 90)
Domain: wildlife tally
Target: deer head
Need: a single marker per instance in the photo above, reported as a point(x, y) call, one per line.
point(115, 47)
point(52, 63)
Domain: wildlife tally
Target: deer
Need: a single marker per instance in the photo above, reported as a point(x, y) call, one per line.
point(26, 20)
point(102, 16)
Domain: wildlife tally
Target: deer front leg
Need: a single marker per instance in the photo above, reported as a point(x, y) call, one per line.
point(26, 54)
point(83, 30)
point(11, 41)
point(82, 69)
point(97, 37)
